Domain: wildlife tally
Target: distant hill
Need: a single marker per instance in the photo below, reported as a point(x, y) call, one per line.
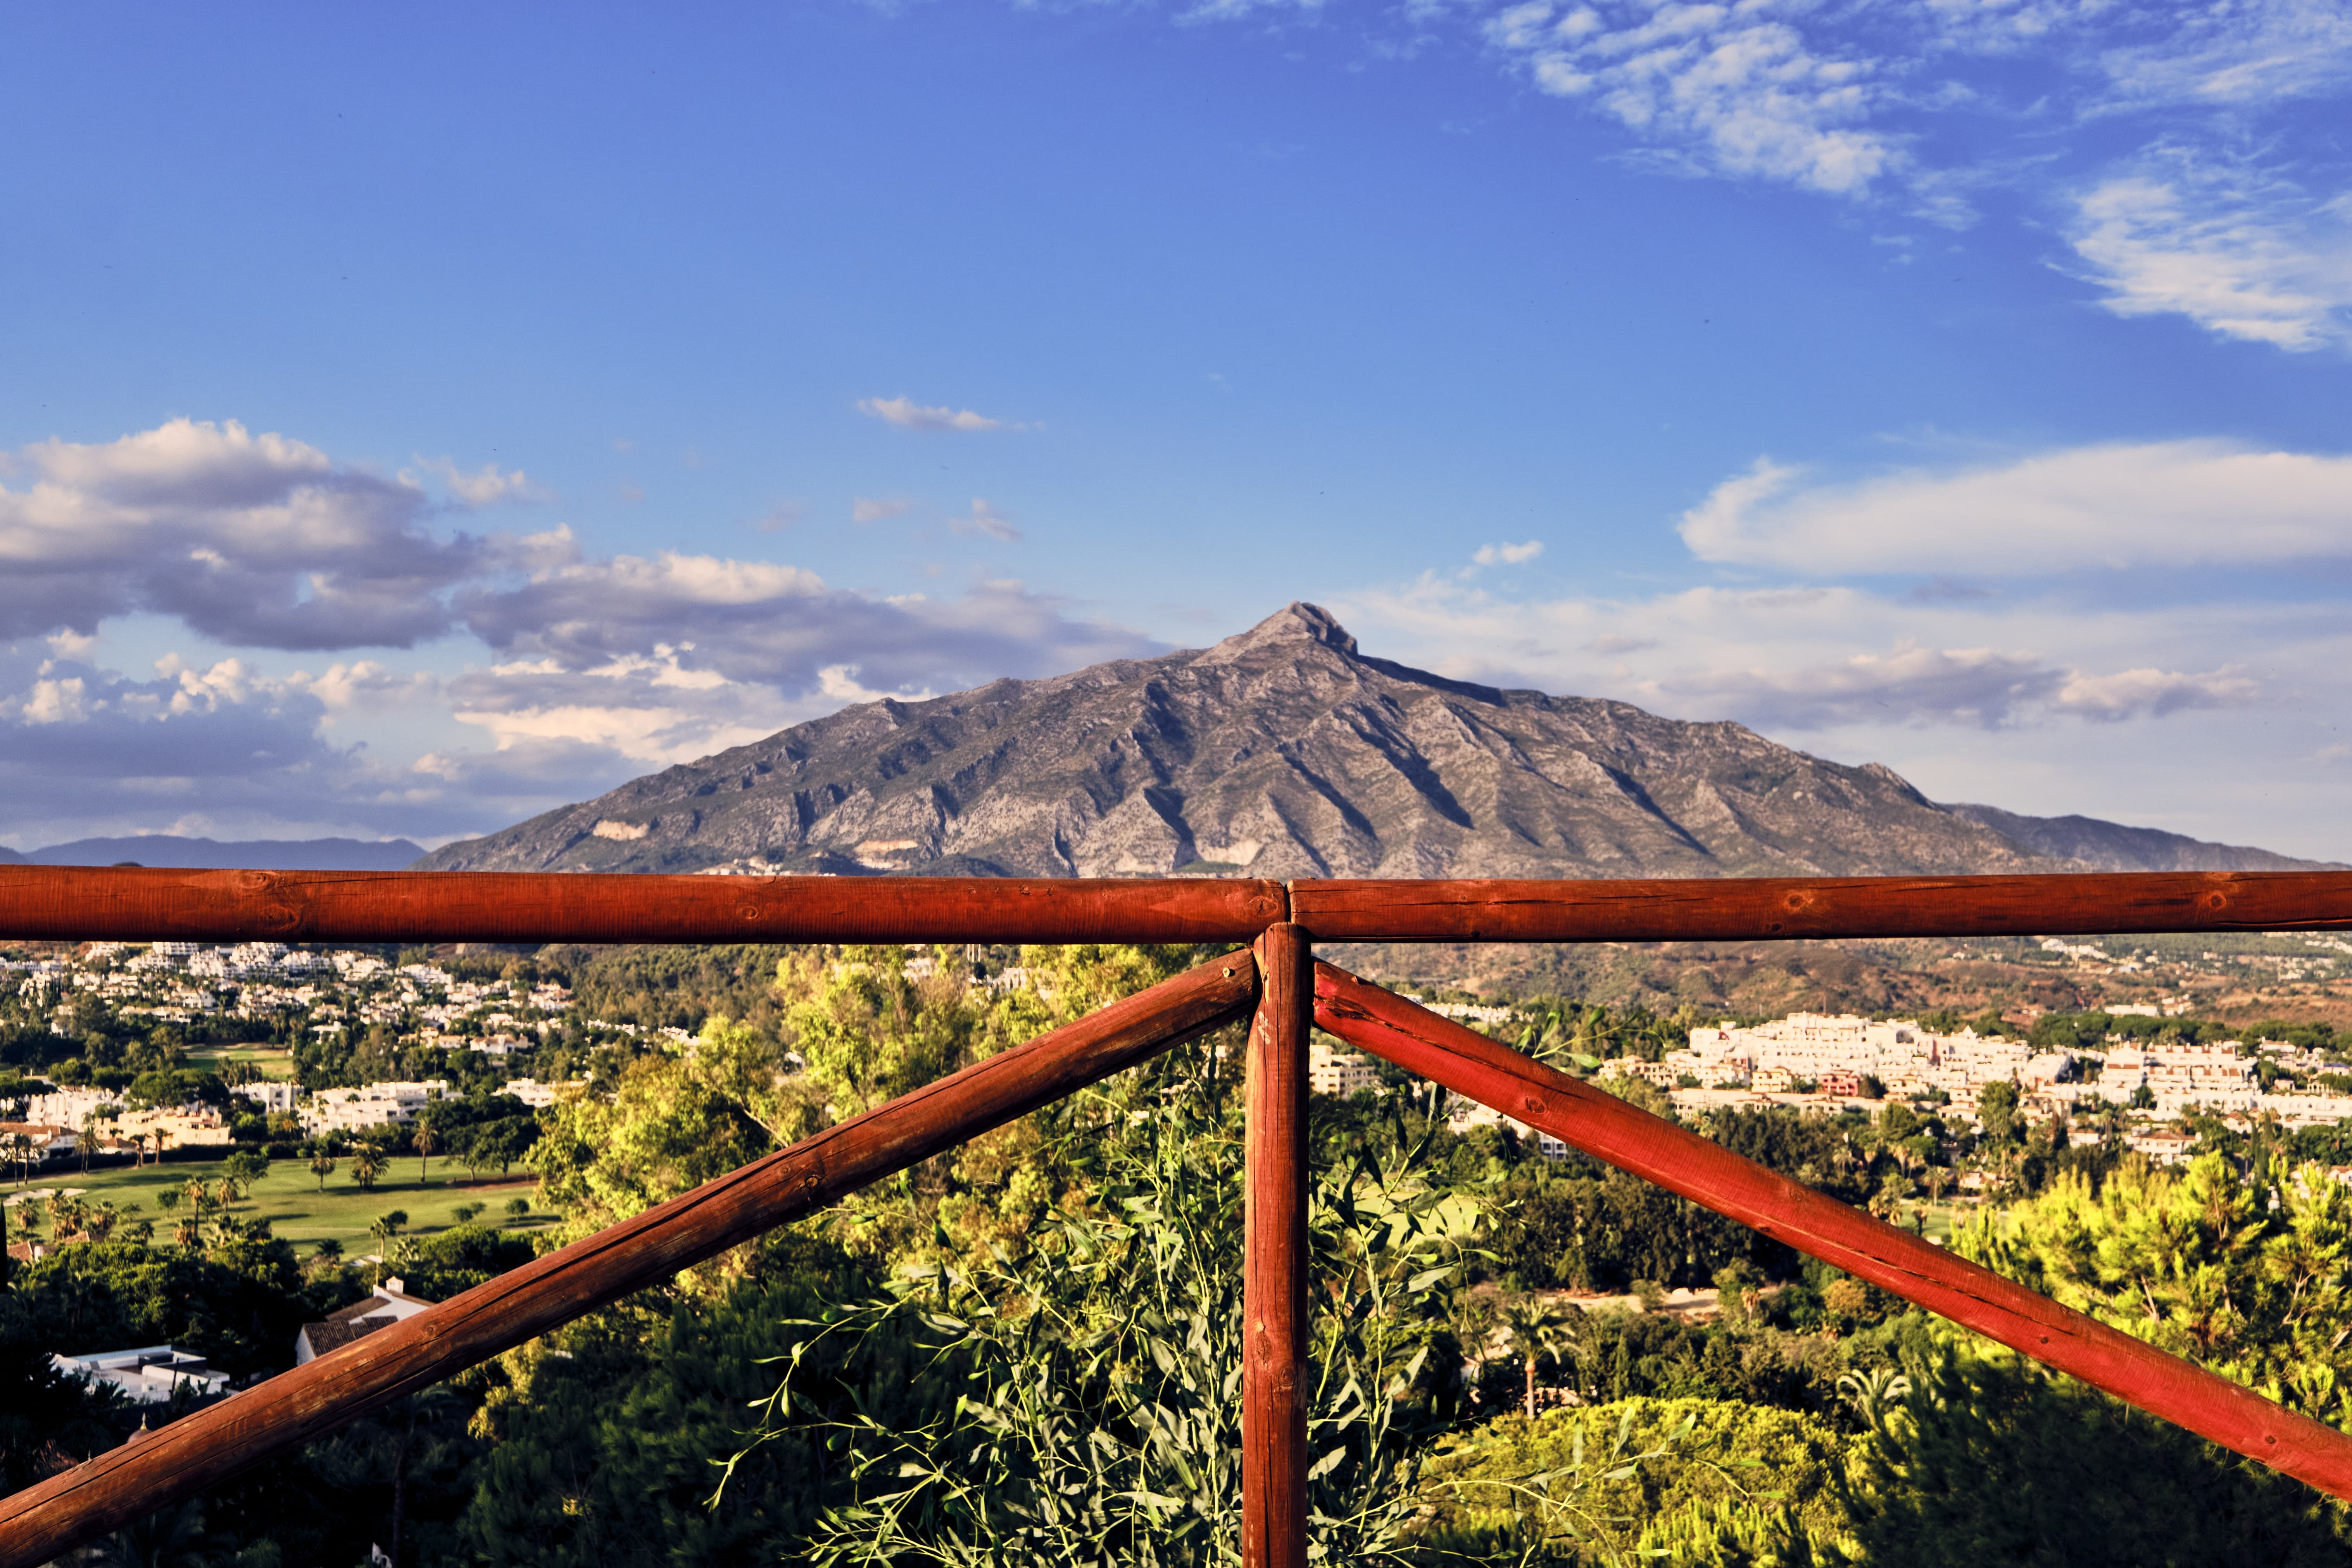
point(1284, 751)
point(246, 854)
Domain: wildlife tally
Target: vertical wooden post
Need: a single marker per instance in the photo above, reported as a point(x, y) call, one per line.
point(1275, 1386)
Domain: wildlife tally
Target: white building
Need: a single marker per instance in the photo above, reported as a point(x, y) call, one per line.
point(269, 1094)
point(371, 1105)
point(1340, 1072)
point(149, 1375)
point(537, 1095)
point(389, 1305)
point(1465, 1115)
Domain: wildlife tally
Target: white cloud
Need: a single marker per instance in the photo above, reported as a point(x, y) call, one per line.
point(839, 682)
point(1979, 687)
point(257, 540)
point(486, 486)
point(908, 415)
point(1736, 89)
point(985, 519)
point(2131, 693)
point(2180, 503)
point(651, 709)
point(870, 509)
point(1508, 554)
point(2243, 253)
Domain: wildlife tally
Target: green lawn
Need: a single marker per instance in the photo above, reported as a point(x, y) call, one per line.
point(288, 1198)
point(269, 1061)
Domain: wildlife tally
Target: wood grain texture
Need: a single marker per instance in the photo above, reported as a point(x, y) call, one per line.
point(1275, 1382)
point(1765, 909)
point(1657, 1151)
point(73, 903)
point(127, 1483)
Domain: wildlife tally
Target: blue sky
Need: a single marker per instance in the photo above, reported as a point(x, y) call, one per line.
point(410, 423)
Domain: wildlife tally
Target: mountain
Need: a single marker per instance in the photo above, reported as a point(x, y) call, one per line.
point(1281, 751)
point(2111, 846)
point(248, 855)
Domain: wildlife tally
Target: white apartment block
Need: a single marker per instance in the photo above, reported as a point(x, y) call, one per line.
point(269, 1095)
point(371, 1105)
point(1340, 1072)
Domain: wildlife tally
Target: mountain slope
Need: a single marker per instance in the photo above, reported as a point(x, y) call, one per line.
point(1282, 752)
point(2111, 846)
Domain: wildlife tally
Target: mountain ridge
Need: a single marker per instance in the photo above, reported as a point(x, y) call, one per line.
point(179, 852)
point(1283, 751)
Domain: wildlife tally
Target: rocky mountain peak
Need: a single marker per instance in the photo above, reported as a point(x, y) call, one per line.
point(1298, 622)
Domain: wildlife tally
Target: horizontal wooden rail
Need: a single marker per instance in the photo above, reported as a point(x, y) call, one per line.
point(1751, 909)
point(127, 1483)
point(51, 902)
point(1657, 1151)
point(60, 903)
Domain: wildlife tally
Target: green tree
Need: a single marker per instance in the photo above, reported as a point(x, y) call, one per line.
point(1997, 1109)
point(675, 1120)
point(2241, 1272)
point(322, 1166)
point(1699, 1465)
point(1530, 1329)
point(368, 1166)
point(245, 1167)
point(1994, 1461)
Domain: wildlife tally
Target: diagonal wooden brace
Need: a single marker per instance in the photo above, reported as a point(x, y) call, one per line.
point(1657, 1151)
point(124, 1484)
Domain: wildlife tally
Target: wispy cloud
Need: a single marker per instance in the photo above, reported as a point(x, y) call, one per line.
point(985, 519)
point(872, 509)
point(2180, 503)
point(1737, 89)
point(908, 415)
point(1508, 554)
point(486, 486)
point(2242, 251)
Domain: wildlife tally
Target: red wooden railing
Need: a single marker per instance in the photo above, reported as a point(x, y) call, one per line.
point(1274, 981)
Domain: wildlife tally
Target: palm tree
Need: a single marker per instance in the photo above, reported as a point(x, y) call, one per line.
point(367, 1164)
point(322, 1166)
point(384, 1227)
point(426, 1144)
point(97, 1223)
point(1874, 1395)
point(1531, 1329)
point(189, 1233)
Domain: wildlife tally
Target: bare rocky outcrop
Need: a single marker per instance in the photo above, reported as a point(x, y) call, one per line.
point(1281, 751)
